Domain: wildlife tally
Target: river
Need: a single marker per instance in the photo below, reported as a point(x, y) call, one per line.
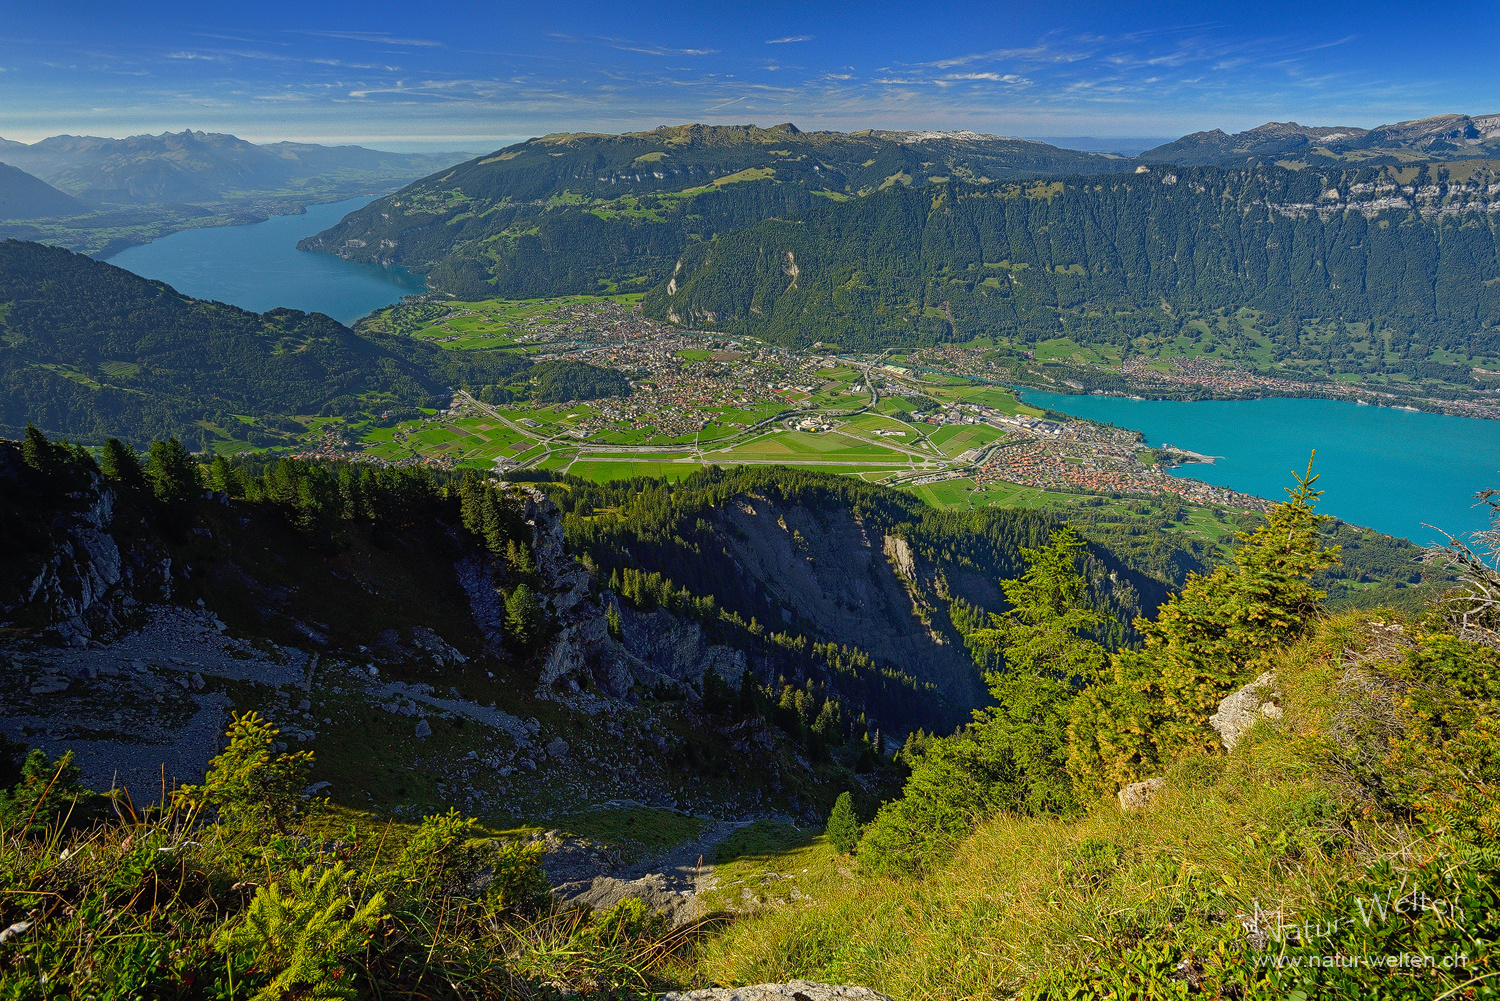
point(259, 267)
point(1387, 469)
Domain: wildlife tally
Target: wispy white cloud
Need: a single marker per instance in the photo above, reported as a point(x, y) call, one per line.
point(1010, 78)
point(377, 37)
point(625, 45)
point(789, 39)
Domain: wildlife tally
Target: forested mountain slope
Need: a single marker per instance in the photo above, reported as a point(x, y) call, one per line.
point(577, 213)
point(91, 350)
point(839, 560)
point(1105, 259)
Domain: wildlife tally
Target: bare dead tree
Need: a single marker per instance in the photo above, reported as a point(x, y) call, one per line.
point(1473, 608)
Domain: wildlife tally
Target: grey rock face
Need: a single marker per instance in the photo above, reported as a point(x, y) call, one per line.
point(439, 649)
point(1239, 711)
point(1139, 795)
point(604, 892)
point(423, 729)
point(795, 990)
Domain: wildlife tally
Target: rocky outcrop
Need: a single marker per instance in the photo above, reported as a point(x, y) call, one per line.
point(443, 653)
point(1139, 795)
point(676, 649)
point(899, 553)
point(1238, 712)
point(792, 990)
point(602, 892)
point(669, 884)
point(485, 601)
point(567, 580)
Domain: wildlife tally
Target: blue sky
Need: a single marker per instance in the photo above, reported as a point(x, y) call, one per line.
point(474, 76)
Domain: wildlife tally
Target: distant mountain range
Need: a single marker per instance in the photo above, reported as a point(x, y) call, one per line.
point(1442, 137)
point(198, 167)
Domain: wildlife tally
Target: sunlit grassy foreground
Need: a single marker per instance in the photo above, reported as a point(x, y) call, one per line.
point(1050, 907)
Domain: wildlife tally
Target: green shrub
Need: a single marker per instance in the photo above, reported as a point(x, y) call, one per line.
point(1094, 861)
point(445, 856)
point(298, 940)
point(1216, 634)
point(248, 782)
point(48, 793)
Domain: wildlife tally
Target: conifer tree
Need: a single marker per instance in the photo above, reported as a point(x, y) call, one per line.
point(1045, 663)
point(828, 726)
point(172, 472)
point(120, 462)
point(249, 782)
point(524, 618)
point(47, 792)
point(717, 696)
point(750, 701)
point(41, 454)
point(843, 826)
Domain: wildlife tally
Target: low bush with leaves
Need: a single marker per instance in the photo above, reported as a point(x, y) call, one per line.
point(240, 888)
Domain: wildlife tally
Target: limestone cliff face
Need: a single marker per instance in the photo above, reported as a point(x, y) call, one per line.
point(75, 579)
point(653, 648)
point(830, 578)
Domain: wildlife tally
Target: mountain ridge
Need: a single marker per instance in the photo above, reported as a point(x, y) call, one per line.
point(196, 166)
point(90, 350)
point(23, 196)
point(573, 213)
point(1438, 137)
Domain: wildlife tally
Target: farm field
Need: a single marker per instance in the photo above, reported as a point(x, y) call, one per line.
point(604, 472)
point(955, 440)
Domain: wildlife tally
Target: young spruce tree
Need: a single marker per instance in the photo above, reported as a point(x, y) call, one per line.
point(843, 826)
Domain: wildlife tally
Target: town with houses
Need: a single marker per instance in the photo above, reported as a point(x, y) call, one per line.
point(938, 415)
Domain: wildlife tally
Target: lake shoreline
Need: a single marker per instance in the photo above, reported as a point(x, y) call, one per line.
point(258, 266)
point(230, 214)
point(1391, 468)
point(1447, 408)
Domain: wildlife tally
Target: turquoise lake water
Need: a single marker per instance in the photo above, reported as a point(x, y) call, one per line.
point(259, 267)
point(1383, 468)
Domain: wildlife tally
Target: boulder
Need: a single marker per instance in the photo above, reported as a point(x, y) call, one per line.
point(1239, 711)
point(1139, 795)
point(423, 730)
point(603, 892)
point(557, 749)
point(794, 990)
